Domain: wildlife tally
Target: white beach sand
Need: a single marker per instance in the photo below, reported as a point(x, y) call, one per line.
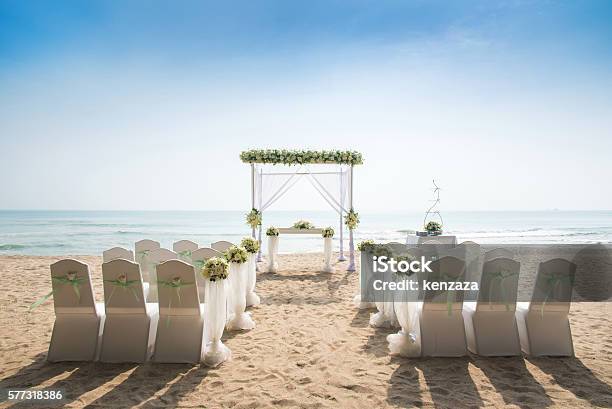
point(311, 348)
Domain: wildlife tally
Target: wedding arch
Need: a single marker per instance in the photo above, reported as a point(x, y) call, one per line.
point(334, 184)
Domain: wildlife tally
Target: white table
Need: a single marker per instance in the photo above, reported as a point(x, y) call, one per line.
point(273, 246)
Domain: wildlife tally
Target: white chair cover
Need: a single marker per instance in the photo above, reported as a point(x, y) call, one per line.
point(407, 342)
point(117, 253)
point(78, 319)
point(184, 249)
point(441, 319)
point(156, 257)
point(490, 324)
point(143, 249)
point(221, 245)
point(543, 324)
point(181, 316)
point(498, 253)
point(128, 317)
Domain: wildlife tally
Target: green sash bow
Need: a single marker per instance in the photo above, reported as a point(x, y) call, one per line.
point(122, 282)
point(553, 280)
point(500, 277)
point(70, 279)
point(176, 284)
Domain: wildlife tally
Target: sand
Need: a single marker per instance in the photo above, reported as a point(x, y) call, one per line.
point(311, 348)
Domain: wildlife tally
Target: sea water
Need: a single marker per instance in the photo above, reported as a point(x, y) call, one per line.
point(91, 232)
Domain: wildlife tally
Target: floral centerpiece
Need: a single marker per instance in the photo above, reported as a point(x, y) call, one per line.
point(366, 245)
point(351, 220)
point(327, 232)
point(272, 231)
point(433, 228)
point(253, 218)
point(303, 225)
point(215, 268)
point(250, 245)
point(299, 157)
point(236, 254)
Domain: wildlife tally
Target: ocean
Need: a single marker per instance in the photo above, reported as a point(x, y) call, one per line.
point(91, 232)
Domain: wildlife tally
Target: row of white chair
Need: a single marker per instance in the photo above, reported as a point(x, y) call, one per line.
point(149, 253)
point(489, 326)
point(125, 328)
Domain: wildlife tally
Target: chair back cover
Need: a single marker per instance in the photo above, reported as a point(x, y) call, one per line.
point(72, 289)
point(116, 253)
point(221, 245)
point(123, 288)
point(177, 287)
point(143, 255)
point(160, 255)
point(184, 249)
point(498, 253)
point(499, 285)
point(445, 269)
point(553, 287)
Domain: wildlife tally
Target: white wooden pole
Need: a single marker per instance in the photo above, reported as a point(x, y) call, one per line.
point(341, 255)
point(253, 195)
point(351, 266)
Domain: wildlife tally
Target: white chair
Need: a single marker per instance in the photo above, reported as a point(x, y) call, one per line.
point(184, 248)
point(221, 245)
point(78, 319)
point(180, 331)
point(441, 319)
point(543, 323)
point(198, 258)
point(490, 324)
point(155, 258)
point(128, 316)
point(498, 253)
point(469, 252)
point(117, 253)
point(143, 250)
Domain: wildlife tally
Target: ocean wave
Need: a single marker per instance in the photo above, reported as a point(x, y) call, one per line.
point(12, 247)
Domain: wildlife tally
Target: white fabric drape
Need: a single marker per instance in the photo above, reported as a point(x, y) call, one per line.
point(327, 254)
point(239, 319)
point(252, 299)
point(407, 342)
point(272, 253)
point(214, 351)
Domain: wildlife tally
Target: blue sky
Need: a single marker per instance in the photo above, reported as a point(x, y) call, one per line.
point(146, 105)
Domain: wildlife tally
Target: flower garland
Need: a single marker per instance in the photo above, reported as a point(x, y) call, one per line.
point(299, 157)
point(272, 231)
point(433, 227)
point(351, 220)
point(327, 232)
point(250, 245)
point(236, 254)
point(253, 218)
point(303, 225)
point(215, 268)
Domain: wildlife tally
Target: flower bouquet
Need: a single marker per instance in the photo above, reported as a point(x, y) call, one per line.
point(303, 225)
